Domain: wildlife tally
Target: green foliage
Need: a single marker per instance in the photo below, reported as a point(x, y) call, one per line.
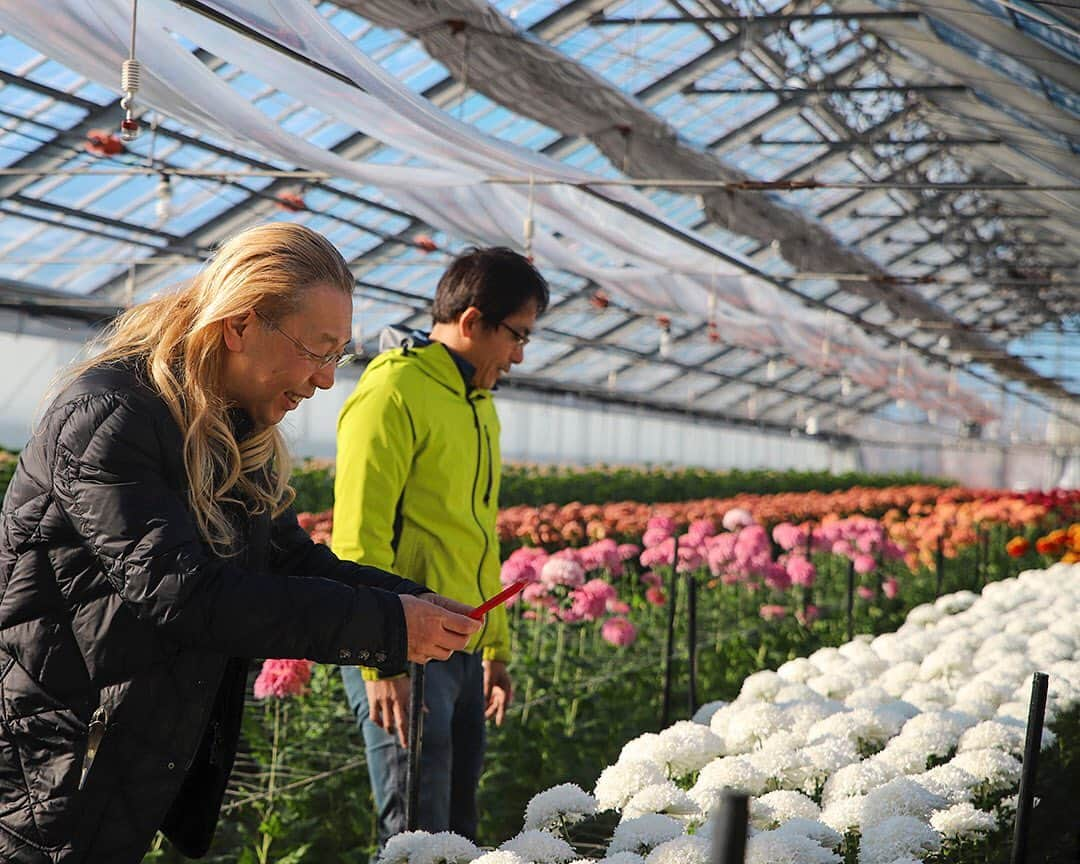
point(536, 485)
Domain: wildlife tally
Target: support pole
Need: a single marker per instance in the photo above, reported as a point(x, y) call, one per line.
point(416, 739)
point(729, 830)
point(1032, 745)
point(850, 601)
point(691, 639)
point(669, 640)
point(939, 565)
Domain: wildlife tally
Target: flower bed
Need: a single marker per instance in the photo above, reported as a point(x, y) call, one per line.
point(901, 748)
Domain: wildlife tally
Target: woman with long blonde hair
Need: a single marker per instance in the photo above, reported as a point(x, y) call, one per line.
point(148, 549)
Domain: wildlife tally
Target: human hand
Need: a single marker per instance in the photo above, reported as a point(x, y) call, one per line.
point(388, 706)
point(498, 690)
point(434, 629)
point(446, 603)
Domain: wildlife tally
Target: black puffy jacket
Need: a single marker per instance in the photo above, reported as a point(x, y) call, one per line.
point(117, 624)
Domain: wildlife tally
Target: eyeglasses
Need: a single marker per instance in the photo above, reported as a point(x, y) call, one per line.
point(521, 339)
point(338, 359)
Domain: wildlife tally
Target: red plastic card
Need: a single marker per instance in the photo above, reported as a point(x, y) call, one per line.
point(504, 595)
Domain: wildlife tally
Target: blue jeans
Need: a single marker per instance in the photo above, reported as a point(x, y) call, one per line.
point(451, 753)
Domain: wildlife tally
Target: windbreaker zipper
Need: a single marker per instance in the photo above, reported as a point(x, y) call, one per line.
point(487, 491)
point(94, 733)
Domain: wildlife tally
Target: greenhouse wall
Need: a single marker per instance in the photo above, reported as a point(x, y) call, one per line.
point(556, 429)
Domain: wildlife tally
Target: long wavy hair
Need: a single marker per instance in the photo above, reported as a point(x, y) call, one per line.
point(178, 340)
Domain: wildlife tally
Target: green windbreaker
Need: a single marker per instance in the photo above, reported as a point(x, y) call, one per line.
point(417, 484)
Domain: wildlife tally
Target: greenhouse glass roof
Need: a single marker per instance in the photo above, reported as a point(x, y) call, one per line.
point(798, 215)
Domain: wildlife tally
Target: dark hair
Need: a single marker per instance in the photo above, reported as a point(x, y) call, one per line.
point(498, 281)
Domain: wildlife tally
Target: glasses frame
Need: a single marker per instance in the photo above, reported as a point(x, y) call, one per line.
point(337, 359)
point(521, 339)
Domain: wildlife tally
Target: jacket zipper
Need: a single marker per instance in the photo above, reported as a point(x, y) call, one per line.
point(487, 491)
point(94, 733)
point(472, 502)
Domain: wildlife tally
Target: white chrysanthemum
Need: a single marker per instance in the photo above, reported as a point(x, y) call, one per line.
point(892, 715)
point(991, 768)
point(728, 773)
point(681, 850)
point(858, 726)
point(835, 685)
point(779, 847)
point(896, 649)
point(962, 821)
point(803, 714)
point(750, 725)
point(903, 757)
point(855, 780)
point(946, 726)
point(978, 710)
point(844, 814)
point(404, 847)
point(499, 857)
point(1013, 711)
point(704, 714)
point(566, 802)
point(949, 781)
point(897, 679)
point(868, 697)
point(951, 604)
point(583, 861)
point(901, 796)
point(1006, 737)
point(645, 833)
point(620, 782)
point(760, 686)
point(815, 830)
point(446, 847)
point(1045, 648)
point(644, 748)
point(923, 615)
point(827, 659)
point(981, 690)
point(686, 747)
point(780, 761)
point(897, 837)
point(540, 847)
point(947, 664)
point(927, 696)
point(823, 759)
point(623, 858)
point(660, 798)
point(776, 808)
point(799, 670)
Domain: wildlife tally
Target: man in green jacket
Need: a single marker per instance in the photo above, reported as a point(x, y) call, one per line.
point(417, 493)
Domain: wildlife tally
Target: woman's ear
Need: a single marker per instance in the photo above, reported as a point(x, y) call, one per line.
point(237, 331)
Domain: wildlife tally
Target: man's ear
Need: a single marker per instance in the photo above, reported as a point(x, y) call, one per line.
point(237, 330)
point(469, 322)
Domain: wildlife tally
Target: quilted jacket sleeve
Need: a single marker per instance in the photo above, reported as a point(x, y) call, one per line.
point(108, 479)
point(295, 552)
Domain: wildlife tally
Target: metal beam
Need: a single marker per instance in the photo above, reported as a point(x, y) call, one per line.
point(810, 18)
point(698, 90)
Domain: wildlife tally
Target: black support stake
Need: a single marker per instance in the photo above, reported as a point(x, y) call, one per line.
point(1032, 745)
point(939, 565)
point(416, 740)
point(851, 600)
point(729, 830)
point(669, 641)
point(691, 639)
